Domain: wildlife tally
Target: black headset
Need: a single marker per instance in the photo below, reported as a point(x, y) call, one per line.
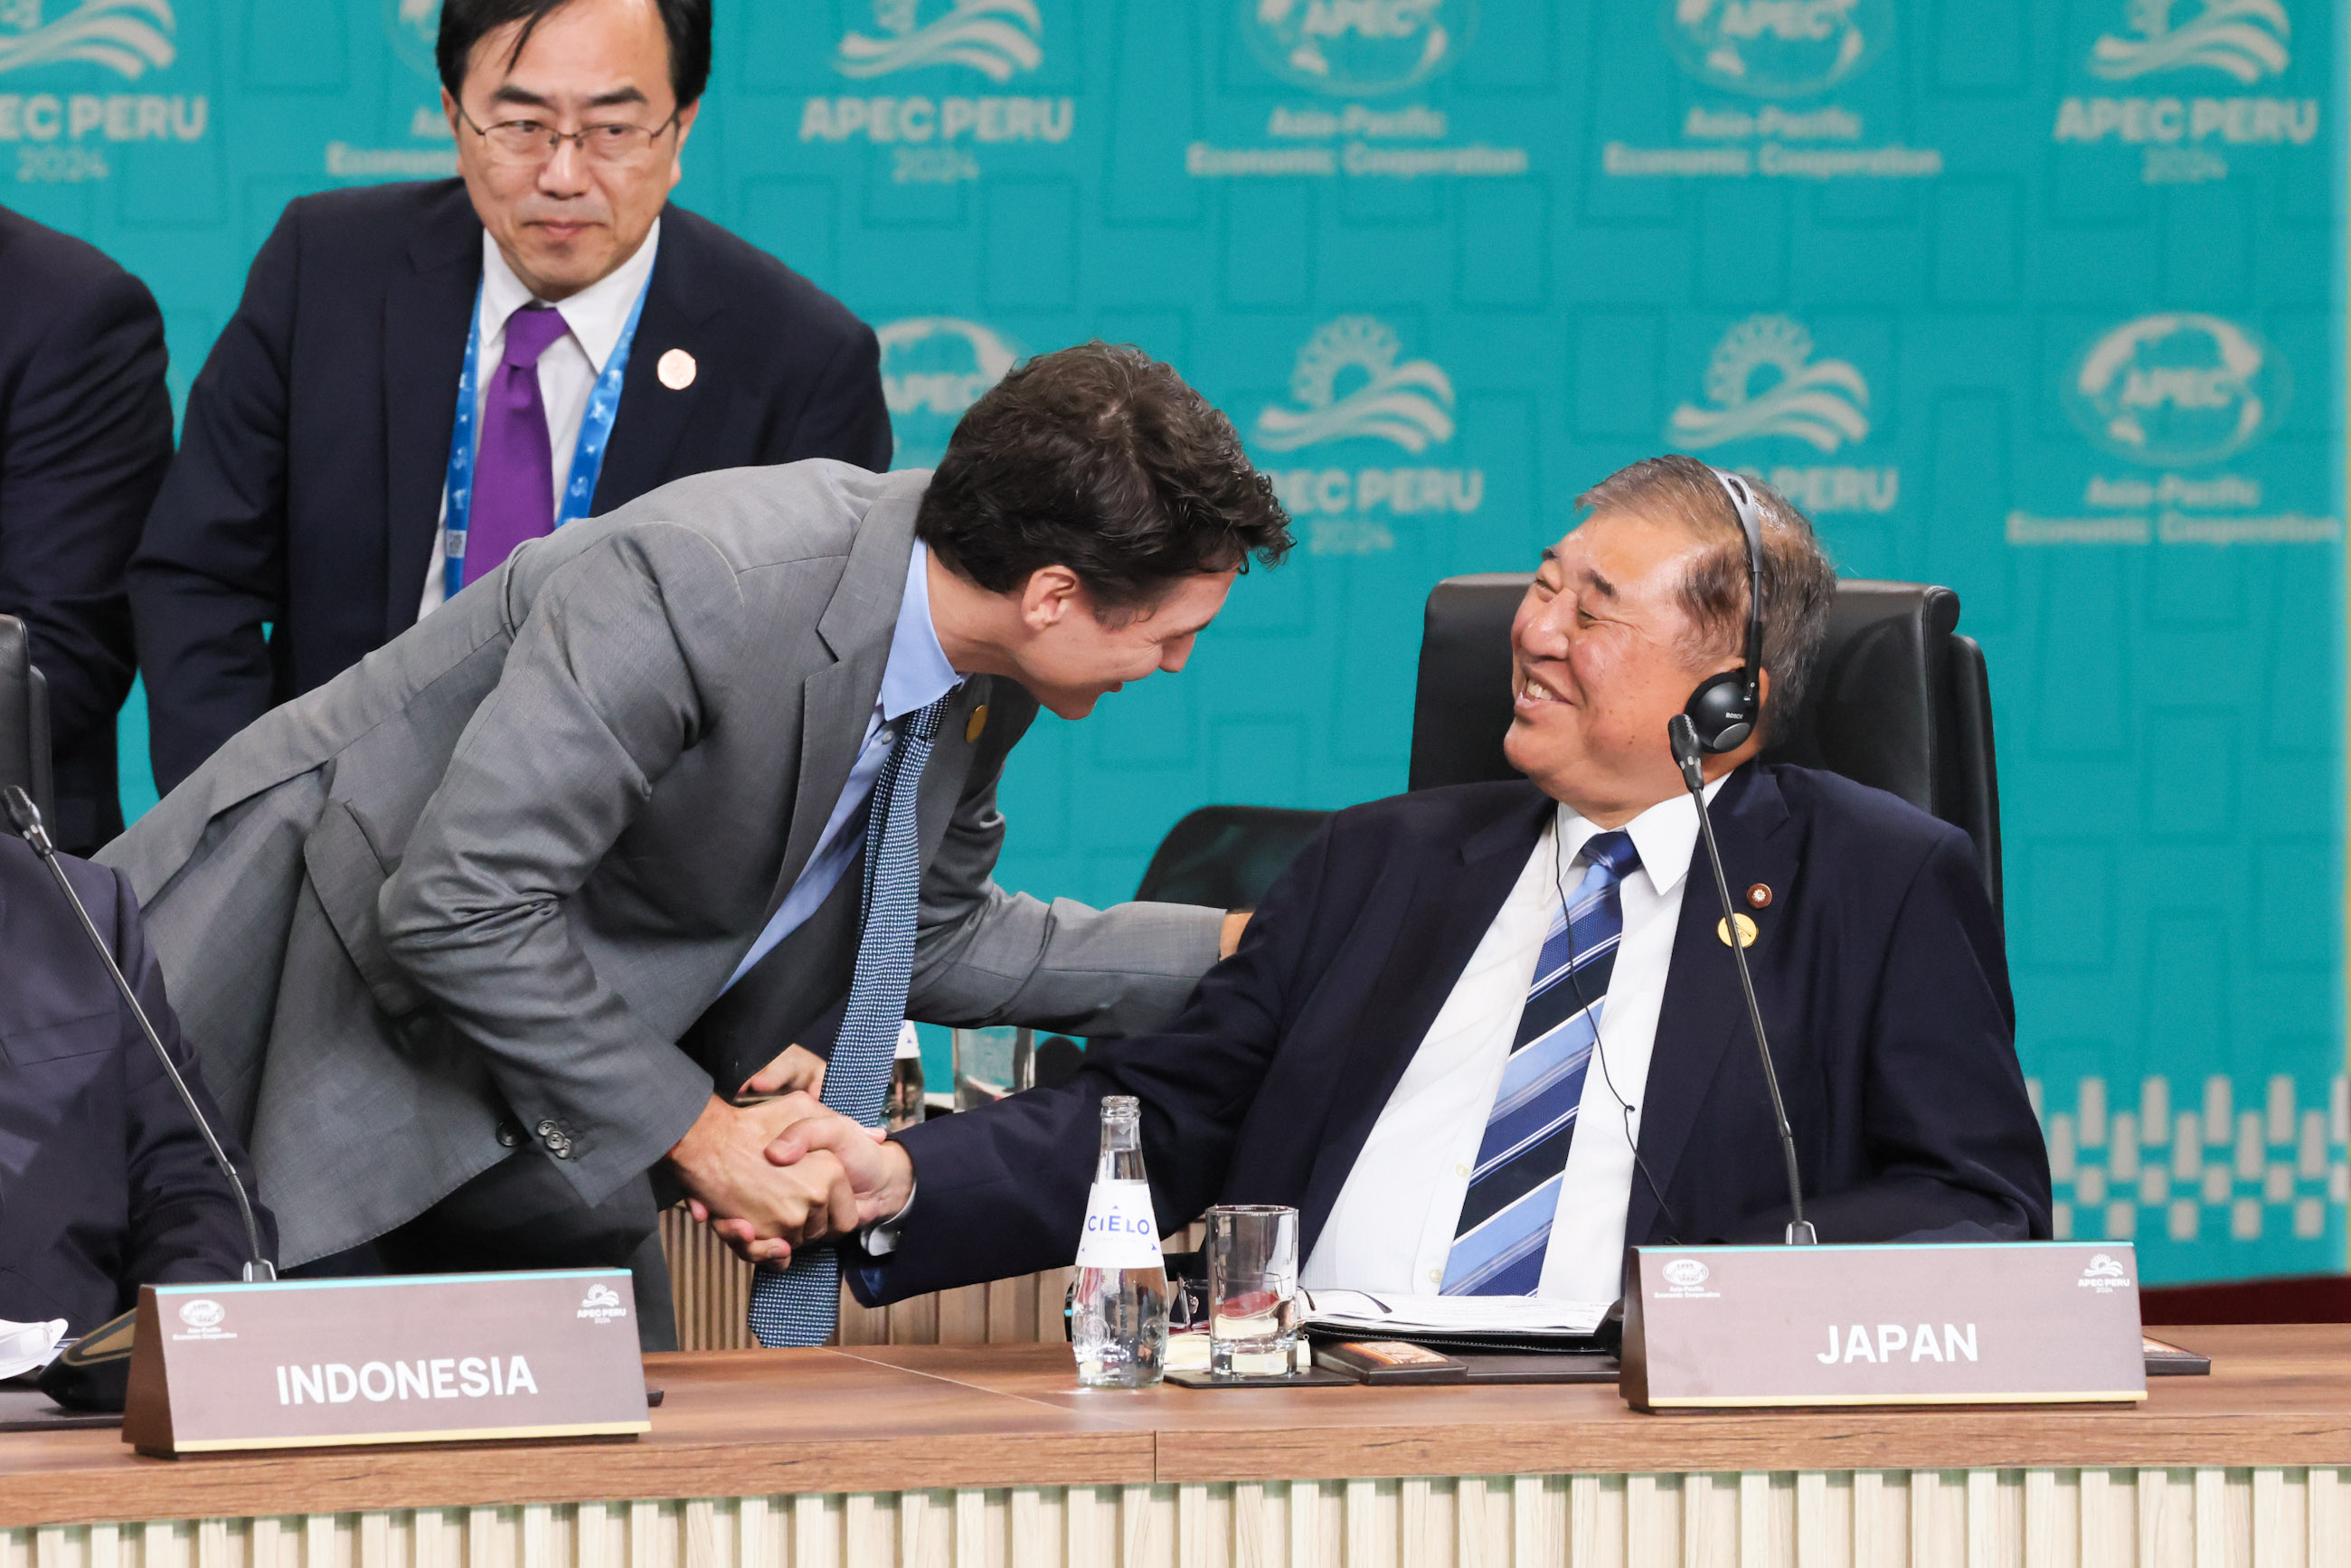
point(1725, 707)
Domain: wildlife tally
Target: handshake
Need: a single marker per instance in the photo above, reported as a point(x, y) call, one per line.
point(787, 1173)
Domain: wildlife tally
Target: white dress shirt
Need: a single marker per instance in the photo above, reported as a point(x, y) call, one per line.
point(916, 676)
point(596, 317)
point(1391, 1227)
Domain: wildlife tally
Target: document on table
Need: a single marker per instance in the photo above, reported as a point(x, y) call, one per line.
point(1452, 1317)
point(26, 1346)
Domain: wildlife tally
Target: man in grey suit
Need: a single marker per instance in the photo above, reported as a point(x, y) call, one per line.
point(479, 941)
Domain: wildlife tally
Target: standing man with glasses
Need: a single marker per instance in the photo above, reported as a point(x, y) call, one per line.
point(421, 377)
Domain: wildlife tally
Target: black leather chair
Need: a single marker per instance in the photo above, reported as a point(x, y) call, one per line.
point(1226, 856)
point(24, 720)
point(1900, 699)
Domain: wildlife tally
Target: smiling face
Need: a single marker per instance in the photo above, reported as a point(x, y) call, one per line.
point(1071, 656)
point(568, 220)
point(1602, 656)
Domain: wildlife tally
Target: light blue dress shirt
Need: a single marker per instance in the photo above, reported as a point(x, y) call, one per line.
point(916, 676)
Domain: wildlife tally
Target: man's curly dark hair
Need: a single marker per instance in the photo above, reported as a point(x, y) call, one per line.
point(1100, 459)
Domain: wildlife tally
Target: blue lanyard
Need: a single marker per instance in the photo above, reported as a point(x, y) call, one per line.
point(587, 457)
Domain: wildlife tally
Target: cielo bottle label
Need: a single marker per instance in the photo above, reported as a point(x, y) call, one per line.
point(1121, 1230)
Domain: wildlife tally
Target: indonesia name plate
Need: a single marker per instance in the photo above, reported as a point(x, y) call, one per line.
point(1992, 1324)
point(414, 1359)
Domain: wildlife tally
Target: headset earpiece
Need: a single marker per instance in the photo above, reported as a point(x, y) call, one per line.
point(1725, 708)
point(1719, 709)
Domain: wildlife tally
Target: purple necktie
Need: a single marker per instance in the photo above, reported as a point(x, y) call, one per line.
point(514, 472)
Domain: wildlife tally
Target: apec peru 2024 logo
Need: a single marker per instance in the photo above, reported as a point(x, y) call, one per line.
point(1354, 392)
point(1765, 386)
point(61, 64)
point(2175, 67)
point(935, 131)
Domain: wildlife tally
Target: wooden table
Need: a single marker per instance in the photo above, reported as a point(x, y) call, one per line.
point(987, 1454)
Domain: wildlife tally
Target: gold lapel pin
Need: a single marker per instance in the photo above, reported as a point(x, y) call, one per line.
point(973, 726)
point(1746, 931)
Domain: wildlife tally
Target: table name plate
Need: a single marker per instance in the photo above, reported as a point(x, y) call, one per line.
point(1991, 1324)
point(411, 1359)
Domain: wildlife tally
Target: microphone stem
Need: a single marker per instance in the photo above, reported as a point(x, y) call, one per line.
point(1798, 1231)
point(257, 1266)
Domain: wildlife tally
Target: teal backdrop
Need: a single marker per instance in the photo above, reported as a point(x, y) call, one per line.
point(2038, 298)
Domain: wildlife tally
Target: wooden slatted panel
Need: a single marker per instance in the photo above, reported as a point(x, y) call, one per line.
point(2268, 1518)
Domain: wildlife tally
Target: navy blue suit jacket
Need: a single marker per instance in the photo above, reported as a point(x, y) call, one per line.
point(85, 437)
point(1879, 965)
point(105, 1183)
point(306, 493)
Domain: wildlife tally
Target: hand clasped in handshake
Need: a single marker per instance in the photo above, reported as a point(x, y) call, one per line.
point(787, 1173)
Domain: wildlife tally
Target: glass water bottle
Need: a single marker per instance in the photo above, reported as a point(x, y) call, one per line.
point(1121, 1329)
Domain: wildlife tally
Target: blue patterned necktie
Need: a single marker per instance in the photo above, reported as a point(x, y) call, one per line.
point(801, 1305)
point(1505, 1224)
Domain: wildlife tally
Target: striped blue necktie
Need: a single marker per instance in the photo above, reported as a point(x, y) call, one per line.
point(1505, 1224)
point(801, 1305)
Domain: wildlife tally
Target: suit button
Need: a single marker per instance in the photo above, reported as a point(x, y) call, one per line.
point(545, 1129)
point(511, 1133)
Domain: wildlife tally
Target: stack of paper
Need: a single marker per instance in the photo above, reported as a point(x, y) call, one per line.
point(24, 1347)
point(1451, 1318)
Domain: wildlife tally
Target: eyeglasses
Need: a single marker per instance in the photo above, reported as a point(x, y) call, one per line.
point(528, 143)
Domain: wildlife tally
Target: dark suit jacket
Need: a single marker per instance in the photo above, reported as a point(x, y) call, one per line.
point(1878, 967)
point(85, 437)
point(308, 489)
point(105, 1183)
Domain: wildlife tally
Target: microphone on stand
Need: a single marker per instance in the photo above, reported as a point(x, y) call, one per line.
point(27, 820)
point(1683, 737)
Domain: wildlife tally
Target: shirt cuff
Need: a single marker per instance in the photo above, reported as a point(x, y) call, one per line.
point(880, 1239)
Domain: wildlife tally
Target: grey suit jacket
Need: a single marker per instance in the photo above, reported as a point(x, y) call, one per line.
point(488, 878)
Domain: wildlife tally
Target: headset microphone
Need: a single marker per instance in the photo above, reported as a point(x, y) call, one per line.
point(1725, 707)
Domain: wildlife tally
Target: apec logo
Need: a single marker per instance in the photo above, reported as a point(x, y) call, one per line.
point(997, 38)
point(1351, 383)
point(1357, 46)
point(2245, 38)
point(202, 1319)
point(414, 27)
point(932, 368)
point(2176, 389)
point(1777, 48)
point(1763, 382)
point(129, 37)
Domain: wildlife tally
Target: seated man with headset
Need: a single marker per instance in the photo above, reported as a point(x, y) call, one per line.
point(1483, 1037)
point(105, 1182)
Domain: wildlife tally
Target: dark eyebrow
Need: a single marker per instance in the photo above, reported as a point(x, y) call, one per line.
point(1600, 585)
point(509, 93)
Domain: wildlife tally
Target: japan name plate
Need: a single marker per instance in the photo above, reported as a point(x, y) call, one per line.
point(1993, 1323)
point(414, 1359)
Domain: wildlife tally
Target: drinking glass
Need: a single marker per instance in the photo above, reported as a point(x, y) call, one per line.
point(1252, 1288)
point(991, 1063)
